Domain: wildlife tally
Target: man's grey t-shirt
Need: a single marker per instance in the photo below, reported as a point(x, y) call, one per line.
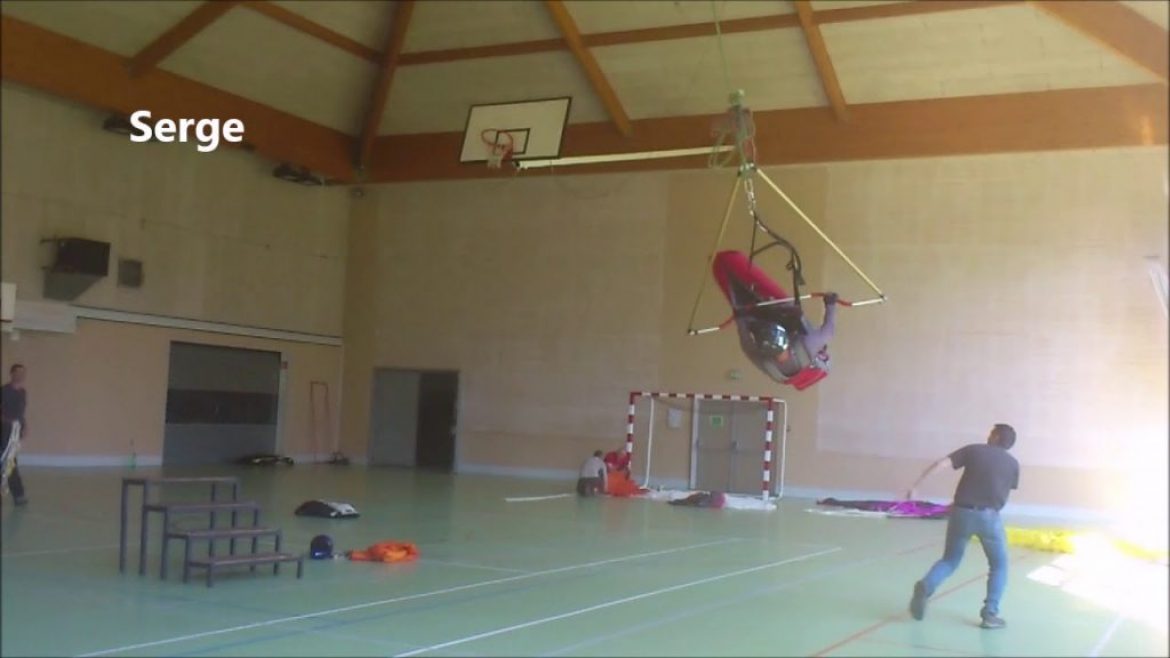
point(593, 467)
point(989, 475)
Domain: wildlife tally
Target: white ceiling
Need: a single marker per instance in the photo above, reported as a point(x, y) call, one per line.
point(944, 54)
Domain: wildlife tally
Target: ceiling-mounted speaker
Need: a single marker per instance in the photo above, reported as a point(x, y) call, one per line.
point(118, 125)
point(295, 174)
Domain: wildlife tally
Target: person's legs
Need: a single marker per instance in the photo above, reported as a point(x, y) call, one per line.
point(16, 486)
point(589, 487)
point(959, 531)
point(994, 540)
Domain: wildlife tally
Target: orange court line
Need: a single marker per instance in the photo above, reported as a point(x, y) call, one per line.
point(885, 622)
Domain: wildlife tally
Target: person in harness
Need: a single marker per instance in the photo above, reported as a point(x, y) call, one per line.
point(780, 349)
point(773, 331)
point(778, 339)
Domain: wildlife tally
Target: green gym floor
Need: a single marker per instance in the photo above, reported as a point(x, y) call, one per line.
point(558, 577)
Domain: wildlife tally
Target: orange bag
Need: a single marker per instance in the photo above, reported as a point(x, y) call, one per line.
point(620, 484)
point(386, 551)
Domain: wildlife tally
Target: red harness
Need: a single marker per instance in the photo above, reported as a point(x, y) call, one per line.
point(735, 265)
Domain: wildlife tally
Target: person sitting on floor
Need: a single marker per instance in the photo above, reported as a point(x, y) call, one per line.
point(618, 461)
point(620, 482)
point(593, 477)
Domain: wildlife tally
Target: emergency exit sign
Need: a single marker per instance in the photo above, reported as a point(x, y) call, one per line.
point(716, 421)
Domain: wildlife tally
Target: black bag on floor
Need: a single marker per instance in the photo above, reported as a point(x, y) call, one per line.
point(327, 509)
point(264, 459)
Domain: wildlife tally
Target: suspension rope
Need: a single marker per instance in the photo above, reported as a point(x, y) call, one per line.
point(742, 129)
point(750, 191)
point(833, 245)
point(722, 52)
point(711, 259)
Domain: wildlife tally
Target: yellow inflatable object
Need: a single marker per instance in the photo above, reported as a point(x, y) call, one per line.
point(1041, 539)
point(1141, 552)
point(1052, 540)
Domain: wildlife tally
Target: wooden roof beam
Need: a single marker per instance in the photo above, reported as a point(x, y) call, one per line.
point(399, 23)
point(688, 31)
point(315, 30)
point(1118, 28)
point(83, 73)
point(1134, 115)
point(179, 34)
point(609, 98)
point(820, 55)
point(646, 35)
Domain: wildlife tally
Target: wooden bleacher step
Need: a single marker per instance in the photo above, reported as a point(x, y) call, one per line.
point(203, 506)
point(170, 510)
point(189, 535)
point(211, 563)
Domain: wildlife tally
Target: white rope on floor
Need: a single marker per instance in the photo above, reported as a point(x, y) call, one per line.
point(527, 499)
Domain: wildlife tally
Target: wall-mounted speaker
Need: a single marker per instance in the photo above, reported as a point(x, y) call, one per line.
point(75, 264)
point(81, 256)
point(129, 273)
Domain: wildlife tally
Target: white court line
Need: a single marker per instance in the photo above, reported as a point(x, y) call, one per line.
point(57, 551)
point(849, 512)
point(469, 565)
point(399, 599)
point(1106, 636)
point(643, 627)
point(525, 499)
point(628, 599)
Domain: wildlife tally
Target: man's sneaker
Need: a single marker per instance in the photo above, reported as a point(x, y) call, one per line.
point(992, 621)
point(20, 502)
point(918, 601)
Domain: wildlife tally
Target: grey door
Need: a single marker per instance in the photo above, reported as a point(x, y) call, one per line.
point(222, 404)
point(394, 417)
point(713, 447)
point(747, 475)
point(435, 435)
point(729, 446)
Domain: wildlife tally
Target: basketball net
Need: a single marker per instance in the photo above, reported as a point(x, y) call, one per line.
point(499, 144)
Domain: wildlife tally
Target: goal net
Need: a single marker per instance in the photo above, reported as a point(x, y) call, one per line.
point(708, 442)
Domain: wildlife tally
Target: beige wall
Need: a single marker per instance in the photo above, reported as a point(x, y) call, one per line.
point(100, 394)
point(221, 240)
point(1018, 293)
point(544, 293)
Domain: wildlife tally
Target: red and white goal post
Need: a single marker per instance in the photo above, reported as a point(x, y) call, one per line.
point(770, 404)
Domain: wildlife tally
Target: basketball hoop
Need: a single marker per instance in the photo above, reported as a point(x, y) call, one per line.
point(499, 144)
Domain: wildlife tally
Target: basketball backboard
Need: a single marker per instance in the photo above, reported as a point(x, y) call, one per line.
point(534, 129)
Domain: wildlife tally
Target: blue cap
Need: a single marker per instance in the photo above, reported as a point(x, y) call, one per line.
point(321, 547)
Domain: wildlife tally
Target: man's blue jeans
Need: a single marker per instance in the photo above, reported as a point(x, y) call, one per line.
point(988, 527)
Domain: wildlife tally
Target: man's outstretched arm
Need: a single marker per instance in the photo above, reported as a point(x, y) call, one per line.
point(934, 466)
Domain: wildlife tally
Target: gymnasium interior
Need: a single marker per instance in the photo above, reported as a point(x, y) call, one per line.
point(320, 315)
